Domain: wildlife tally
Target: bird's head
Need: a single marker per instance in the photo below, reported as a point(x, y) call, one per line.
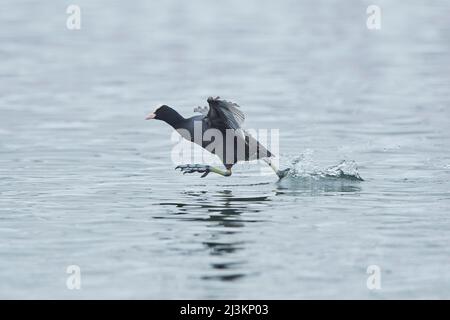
point(162, 112)
point(166, 114)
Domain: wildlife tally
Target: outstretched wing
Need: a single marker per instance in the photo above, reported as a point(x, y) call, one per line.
point(224, 113)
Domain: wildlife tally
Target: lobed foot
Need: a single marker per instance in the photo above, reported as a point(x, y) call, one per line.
point(283, 173)
point(191, 168)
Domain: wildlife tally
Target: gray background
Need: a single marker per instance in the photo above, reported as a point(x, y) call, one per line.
point(85, 180)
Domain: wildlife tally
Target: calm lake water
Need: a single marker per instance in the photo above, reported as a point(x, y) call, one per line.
point(85, 181)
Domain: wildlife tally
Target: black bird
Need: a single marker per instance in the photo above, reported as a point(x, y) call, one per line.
point(223, 122)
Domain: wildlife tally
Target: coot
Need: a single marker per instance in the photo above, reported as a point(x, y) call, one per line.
point(222, 118)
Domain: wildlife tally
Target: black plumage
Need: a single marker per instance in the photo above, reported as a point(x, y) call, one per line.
point(224, 116)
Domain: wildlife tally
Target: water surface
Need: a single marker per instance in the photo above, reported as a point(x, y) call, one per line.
point(85, 180)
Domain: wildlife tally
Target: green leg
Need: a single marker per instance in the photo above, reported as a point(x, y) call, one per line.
point(225, 173)
point(205, 169)
point(279, 173)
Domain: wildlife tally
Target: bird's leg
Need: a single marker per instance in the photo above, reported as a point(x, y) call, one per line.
point(280, 173)
point(202, 168)
point(225, 173)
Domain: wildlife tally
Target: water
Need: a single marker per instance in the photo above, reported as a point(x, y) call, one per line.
point(85, 181)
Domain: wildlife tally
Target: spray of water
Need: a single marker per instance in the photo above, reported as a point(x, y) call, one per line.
point(303, 167)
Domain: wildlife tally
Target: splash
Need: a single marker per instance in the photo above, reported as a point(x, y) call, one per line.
point(304, 177)
point(304, 168)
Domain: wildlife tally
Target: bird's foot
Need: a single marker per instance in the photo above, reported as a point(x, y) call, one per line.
point(283, 173)
point(191, 168)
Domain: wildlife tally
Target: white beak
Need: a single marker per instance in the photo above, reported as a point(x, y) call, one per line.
point(150, 116)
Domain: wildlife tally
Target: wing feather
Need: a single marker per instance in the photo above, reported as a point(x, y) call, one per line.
point(222, 112)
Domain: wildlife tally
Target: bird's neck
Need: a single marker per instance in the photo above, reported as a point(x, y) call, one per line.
point(174, 119)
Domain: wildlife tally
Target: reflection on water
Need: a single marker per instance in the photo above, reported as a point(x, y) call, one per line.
point(314, 187)
point(224, 202)
point(222, 214)
point(225, 215)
